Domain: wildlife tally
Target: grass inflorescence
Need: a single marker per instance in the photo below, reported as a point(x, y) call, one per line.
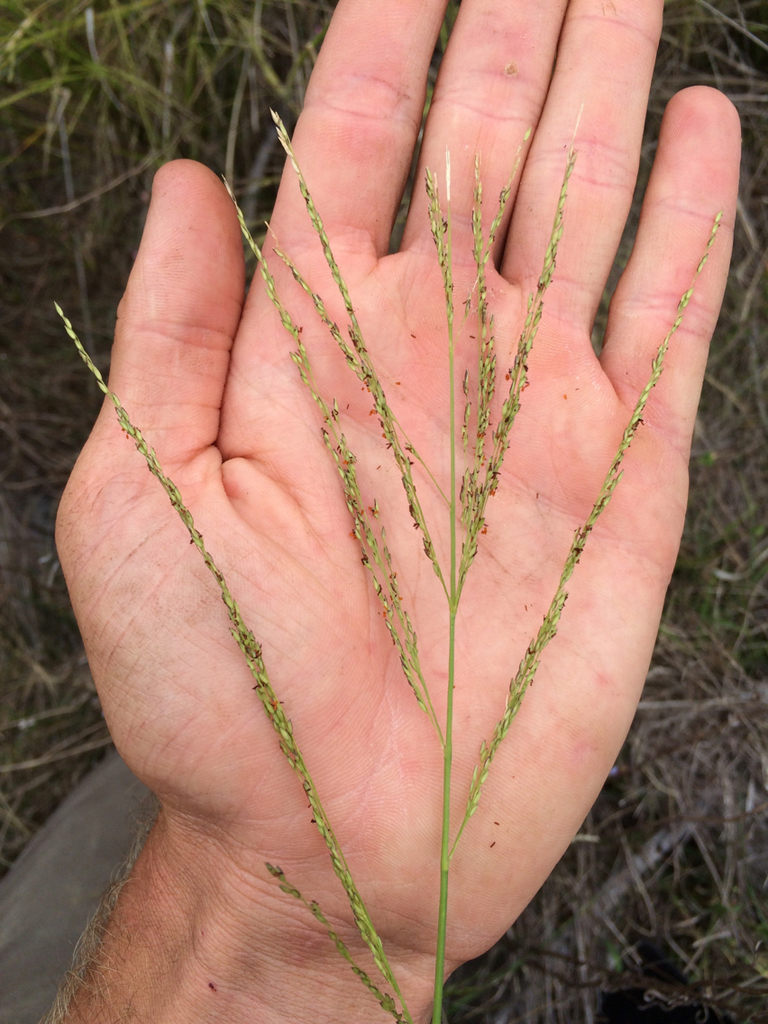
point(468, 494)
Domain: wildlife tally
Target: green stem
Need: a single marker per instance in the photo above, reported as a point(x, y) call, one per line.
point(445, 838)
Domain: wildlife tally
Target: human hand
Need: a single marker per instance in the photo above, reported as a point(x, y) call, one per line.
point(212, 386)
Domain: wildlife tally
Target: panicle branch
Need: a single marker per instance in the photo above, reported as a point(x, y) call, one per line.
point(478, 486)
point(548, 629)
point(255, 661)
point(374, 556)
point(472, 517)
point(359, 358)
point(384, 999)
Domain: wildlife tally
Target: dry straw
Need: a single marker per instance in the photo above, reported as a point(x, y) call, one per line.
point(476, 485)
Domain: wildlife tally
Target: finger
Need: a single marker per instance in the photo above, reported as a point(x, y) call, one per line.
point(177, 319)
point(491, 88)
point(601, 84)
point(695, 175)
point(362, 115)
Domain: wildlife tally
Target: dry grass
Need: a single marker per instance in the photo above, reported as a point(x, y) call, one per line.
point(676, 848)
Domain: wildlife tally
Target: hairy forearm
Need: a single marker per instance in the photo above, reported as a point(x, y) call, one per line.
point(183, 939)
point(88, 948)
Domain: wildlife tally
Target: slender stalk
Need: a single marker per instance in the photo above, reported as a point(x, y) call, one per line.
point(445, 836)
point(443, 229)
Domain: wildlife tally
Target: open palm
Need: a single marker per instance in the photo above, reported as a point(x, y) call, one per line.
point(212, 386)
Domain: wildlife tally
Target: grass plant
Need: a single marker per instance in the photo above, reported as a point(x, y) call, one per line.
point(465, 507)
point(675, 845)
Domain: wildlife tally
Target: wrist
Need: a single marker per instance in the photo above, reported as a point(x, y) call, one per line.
point(195, 938)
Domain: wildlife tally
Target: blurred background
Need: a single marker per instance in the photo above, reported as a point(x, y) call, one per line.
point(93, 98)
